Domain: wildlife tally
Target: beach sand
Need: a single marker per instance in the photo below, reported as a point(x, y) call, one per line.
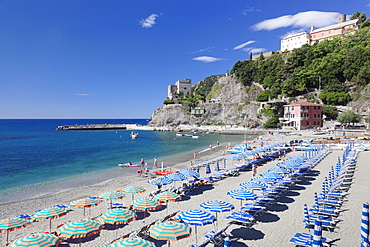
point(275, 228)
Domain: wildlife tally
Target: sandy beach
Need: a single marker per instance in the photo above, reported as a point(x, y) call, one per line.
point(274, 228)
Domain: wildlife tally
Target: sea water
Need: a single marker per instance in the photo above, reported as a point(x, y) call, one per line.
point(34, 155)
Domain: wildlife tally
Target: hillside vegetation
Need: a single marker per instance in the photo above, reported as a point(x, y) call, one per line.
point(333, 66)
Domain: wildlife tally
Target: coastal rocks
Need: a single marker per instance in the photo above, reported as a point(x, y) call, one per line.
point(229, 103)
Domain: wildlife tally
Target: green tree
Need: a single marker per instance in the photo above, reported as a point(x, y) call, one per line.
point(272, 122)
point(330, 112)
point(349, 117)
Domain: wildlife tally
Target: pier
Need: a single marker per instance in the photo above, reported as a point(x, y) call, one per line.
point(93, 127)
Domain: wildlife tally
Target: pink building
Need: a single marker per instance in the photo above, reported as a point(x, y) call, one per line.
point(304, 115)
point(333, 30)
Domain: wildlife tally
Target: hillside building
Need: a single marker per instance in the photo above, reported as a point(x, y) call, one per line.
point(180, 86)
point(300, 116)
point(294, 41)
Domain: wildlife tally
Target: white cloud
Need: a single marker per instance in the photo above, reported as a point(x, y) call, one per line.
point(207, 59)
point(149, 21)
point(299, 20)
point(208, 49)
point(254, 50)
point(250, 9)
point(244, 44)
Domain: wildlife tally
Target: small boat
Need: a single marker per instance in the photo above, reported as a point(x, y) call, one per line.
point(179, 134)
point(319, 132)
point(134, 134)
point(164, 172)
point(128, 165)
point(194, 136)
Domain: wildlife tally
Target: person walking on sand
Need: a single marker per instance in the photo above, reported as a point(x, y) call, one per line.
point(155, 162)
point(210, 148)
point(142, 166)
point(195, 155)
point(254, 170)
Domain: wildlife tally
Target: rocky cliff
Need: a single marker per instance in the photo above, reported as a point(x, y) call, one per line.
point(228, 103)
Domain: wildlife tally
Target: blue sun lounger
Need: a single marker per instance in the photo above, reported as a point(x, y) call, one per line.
point(241, 218)
point(304, 239)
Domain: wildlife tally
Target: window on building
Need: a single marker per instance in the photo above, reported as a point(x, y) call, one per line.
point(318, 108)
point(314, 115)
point(292, 108)
point(314, 107)
point(314, 123)
point(307, 123)
point(318, 115)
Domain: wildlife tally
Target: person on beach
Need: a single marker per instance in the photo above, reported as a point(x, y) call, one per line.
point(210, 148)
point(254, 170)
point(195, 155)
point(142, 166)
point(155, 162)
point(218, 143)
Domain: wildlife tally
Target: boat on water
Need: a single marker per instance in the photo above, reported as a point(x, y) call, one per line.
point(187, 135)
point(128, 165)
point(134, 134)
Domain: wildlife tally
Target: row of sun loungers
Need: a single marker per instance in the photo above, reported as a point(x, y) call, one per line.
point(327, 205)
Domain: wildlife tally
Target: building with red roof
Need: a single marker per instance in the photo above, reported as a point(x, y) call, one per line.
point(303, 115)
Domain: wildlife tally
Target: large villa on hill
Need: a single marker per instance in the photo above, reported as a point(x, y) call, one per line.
point(297, 40)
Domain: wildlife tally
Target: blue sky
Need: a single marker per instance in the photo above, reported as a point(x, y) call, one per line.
point(115, 58)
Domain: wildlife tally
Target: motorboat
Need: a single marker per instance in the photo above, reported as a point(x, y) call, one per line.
point(134, 134)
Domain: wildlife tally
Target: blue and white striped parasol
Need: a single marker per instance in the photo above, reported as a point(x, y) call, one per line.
point(317, 234)
point(253, 186)
point(217, 206)
point(217, 167)
point(263, 180)
point(190, 173)
point(306, 216)
point(365, 225)
point(176, 176)
point(197, 218)
point(160, 181)
point(272, 175)
point(208, 168)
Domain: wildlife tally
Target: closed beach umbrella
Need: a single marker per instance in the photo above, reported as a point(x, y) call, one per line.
point(217, 207)
point(79, 229)
point(117, 216)
point(365, 225)
point(50, 213)
point(11, 224)
point(253, 186)
point(170, 231)
point(37, 240)
point(134, 190)
point(137, 242)
point(208, 169)
point(217, 167)
point(197, 218)
point(306, 216)
point(190, 173)
point(317, 234)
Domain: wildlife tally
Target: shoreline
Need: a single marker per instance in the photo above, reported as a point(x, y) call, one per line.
point(95, 177)
point(276, 226)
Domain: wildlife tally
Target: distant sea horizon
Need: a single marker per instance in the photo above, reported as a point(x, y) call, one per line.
point(35, 156)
